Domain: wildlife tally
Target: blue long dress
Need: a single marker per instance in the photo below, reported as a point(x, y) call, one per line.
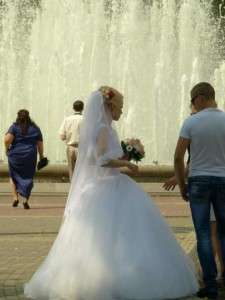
point(22, 157)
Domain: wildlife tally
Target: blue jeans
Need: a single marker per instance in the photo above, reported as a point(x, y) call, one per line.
point(204, 190)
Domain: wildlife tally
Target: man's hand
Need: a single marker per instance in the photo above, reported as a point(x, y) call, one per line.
point(62, 137)
point(182, 145)
point(170, 184)
point(184, 192)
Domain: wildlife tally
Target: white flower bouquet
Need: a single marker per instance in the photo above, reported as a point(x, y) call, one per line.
point(133, 149)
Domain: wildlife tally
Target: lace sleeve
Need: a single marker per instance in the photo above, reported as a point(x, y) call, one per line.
point(104, 151)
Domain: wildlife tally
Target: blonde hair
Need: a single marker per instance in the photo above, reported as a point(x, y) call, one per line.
point(110, 94)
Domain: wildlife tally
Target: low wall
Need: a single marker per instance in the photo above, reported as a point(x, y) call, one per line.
point(59, 173)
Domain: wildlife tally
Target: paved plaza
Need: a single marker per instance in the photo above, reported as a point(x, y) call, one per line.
point(27, 235)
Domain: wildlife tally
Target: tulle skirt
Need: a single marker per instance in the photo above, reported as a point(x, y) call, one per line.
point(114, 245)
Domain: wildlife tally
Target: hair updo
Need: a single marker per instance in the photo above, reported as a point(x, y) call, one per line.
point(110, 94)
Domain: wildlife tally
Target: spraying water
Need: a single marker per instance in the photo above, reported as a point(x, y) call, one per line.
point(53, 52)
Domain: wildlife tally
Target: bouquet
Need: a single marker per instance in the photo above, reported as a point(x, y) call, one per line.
point(133, 149)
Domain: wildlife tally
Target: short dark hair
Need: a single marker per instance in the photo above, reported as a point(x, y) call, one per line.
point(78, 105)
point(204, 89)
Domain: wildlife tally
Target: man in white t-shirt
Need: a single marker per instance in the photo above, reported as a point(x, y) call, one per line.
point(69, 133)
point(205, 133)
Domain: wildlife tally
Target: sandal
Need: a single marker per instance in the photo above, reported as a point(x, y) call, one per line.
point(15, 203)
point(26, 205)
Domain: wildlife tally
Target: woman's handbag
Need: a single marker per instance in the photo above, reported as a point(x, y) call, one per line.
point(43, 162)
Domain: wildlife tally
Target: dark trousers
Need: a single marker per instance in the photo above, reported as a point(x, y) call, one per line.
point(204, 190)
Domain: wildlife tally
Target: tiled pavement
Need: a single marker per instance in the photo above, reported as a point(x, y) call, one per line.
point(26, 236)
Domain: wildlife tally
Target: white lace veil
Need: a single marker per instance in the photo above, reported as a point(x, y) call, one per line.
point(95, 117)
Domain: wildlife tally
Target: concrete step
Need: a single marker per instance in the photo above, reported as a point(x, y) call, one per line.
point(51, 189)
point(59, 173)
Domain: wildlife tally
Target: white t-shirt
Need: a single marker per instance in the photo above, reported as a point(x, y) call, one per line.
point(70, 129)
point(206, 131)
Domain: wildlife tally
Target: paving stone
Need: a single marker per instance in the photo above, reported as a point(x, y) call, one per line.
point(26, 237)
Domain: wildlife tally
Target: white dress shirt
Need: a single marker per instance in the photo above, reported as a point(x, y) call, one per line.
point(70, 129)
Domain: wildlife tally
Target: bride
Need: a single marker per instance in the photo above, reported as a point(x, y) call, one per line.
point(113, 242)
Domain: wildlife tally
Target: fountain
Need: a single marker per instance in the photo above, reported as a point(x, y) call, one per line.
point(53, 52)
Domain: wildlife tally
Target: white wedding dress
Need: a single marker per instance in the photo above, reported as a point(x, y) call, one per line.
point(113, 242)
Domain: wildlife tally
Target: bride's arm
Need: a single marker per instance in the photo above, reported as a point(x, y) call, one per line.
point(119, 163)
point(105, 155)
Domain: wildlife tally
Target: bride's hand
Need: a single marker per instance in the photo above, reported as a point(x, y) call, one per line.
point(132, 167)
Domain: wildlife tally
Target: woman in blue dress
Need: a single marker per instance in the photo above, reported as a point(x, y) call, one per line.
point(22, 142)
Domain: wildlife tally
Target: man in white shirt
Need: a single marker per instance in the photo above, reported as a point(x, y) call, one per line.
point(205, 133)
point(69, 133)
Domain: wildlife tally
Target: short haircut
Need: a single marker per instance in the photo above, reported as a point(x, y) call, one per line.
point(78, 105)
point(205, 89)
